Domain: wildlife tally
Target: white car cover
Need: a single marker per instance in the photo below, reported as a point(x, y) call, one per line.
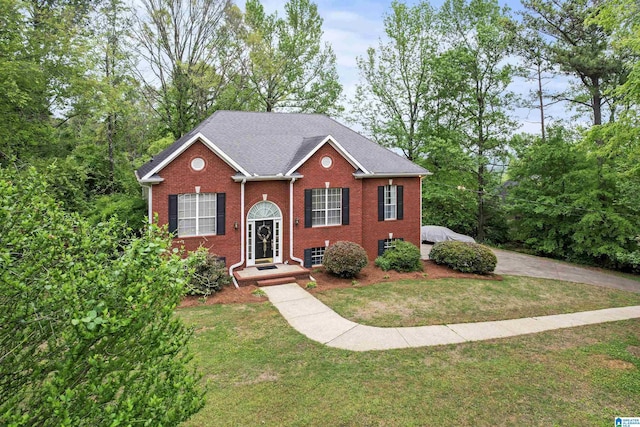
point(434, 233)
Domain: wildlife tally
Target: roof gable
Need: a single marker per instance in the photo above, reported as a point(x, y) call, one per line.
point(311, 145)
point(276, 144)
point(181, 148)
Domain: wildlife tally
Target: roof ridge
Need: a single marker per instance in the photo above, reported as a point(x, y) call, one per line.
point(375, 142)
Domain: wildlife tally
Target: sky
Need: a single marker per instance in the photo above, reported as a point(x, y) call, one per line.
point(352, 26)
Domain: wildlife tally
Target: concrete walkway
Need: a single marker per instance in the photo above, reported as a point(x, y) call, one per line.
point(517, 264)
point(318, 322)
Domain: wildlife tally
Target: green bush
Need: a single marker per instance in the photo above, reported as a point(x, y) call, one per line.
point(87, 325)
point(209, 273)
point(464, 257)
point(402, 257)
point(129, 209)
point(629, 261)
point(345, 259)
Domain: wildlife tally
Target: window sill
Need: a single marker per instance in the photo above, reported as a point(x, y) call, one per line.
point(326, 226)
point(195, 235)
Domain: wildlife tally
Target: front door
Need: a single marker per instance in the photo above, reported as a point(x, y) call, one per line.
point(264, 241)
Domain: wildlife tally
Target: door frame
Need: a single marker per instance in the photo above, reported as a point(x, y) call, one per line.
point(257, 214)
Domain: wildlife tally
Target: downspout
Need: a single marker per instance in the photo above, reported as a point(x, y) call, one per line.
point(150, 203)
point(238, 264)
point(293, 258)
point(421, 201)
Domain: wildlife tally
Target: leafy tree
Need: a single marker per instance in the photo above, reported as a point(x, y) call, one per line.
point(87, 331)
point(531, 47)
point(557, 203)
point(482, 38)
point(548, 176)
point(397, 92)
point(579, 48)
point(187, 58)
point(449, 199)
point(287, 66)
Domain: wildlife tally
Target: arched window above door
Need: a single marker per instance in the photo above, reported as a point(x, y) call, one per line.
point(264, 210)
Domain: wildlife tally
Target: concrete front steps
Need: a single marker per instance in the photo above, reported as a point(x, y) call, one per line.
point(274, 274)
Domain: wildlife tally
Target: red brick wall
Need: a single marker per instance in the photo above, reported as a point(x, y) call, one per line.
point(407, 228)
point(216, 176)
point(364, 227)
point(340, 174)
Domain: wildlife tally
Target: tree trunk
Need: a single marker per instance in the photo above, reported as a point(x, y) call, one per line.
point(596, 104)
point(481, 217)
point(541, 101)
point(111, 130)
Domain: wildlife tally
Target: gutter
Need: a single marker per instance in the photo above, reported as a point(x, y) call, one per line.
point(242, 227)
point(278, 177)
point(391, 175)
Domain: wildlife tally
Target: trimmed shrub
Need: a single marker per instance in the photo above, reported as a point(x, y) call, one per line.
point(345, 259)
point(464, 257)
point(629, 261)
point(209, 273)
point(402, 257)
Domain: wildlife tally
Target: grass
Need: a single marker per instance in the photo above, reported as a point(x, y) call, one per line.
point(260, 371)
point(418, 303)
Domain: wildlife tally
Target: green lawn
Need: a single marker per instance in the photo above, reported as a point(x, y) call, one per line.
point(259, 371)
point(429, 302)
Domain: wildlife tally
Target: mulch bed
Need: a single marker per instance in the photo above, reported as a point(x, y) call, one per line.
point(368, 276)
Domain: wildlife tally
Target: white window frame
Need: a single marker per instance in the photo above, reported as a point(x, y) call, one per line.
point(390, 243)
point(316, 253)
point(324, 193)
point(197, 217)
point(390, 202)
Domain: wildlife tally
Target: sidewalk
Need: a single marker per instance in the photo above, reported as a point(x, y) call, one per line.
point(318, 322)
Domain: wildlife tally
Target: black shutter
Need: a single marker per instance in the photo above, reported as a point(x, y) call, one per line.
point(220, 213)
point(173, 213)
point(223, 259)
point(307, 208)
point(381, 203)
point(345, 206)
point(380, 247)
point(307, 258)
point(400, 201)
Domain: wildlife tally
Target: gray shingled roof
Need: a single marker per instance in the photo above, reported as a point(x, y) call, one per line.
point(268, 144)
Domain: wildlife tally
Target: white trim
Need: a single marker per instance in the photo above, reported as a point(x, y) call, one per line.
point(390, 192)
point(238, 264)
point(291, 256)
point(344, 153)
point(277, 258)
point(390, 175)
point(265, 178)
point(326, 208)
point(199, 136)
point(152, 180)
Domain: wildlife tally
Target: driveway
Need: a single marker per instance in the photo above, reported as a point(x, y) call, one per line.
point(517, 264)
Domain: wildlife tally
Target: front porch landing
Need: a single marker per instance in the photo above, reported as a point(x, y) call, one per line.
point(276, 274)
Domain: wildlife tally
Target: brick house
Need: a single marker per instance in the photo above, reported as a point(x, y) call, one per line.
point(278, 188)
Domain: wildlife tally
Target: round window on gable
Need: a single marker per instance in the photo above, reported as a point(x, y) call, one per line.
point(326, 162)
point(197, 164)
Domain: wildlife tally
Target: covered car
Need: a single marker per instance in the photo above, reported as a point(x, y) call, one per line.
point(436, 233)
